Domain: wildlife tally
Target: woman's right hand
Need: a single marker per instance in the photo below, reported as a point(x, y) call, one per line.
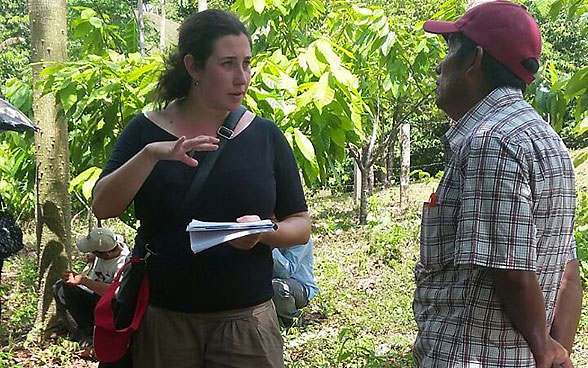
point(178, 150)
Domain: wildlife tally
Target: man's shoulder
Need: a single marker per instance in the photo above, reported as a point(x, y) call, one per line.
point(514, 125)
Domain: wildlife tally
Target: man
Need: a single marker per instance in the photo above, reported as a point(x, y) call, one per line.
point(293, 280)
point(76, 294)
point(498, 281)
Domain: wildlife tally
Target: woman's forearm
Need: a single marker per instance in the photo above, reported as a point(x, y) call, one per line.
point(292, 230)
point(113, 193)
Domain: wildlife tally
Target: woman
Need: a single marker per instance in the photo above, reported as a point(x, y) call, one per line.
point(212, 308)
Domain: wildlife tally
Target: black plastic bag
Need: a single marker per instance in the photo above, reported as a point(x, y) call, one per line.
point(10, 233)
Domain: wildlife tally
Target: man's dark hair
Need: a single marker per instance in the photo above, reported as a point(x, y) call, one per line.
point(497, 74)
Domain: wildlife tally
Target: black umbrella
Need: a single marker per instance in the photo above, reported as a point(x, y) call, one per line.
point(13, 119)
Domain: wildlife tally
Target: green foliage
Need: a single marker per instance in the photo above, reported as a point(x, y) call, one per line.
point(97, 25)
point(301, 82)
point(356, 351)
point(581, 233)
point(99, 36)
point(14, 25)
point(561, 90)
point(99, 96)
point(20, 299)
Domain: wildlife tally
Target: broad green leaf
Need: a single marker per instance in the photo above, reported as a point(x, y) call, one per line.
point(83, 177)
point(555, 9)
point(338, 136)
point(271, 81)
point(288, 83)
point(553, 74)
point(582, 106)
point(363, 11)
point(313, 63)
point(325, 50)
point(310, 171)
point(96, 22)
point(289, 138)
point(345, 77)
point(422, 46)
point(259, 5)
point(89, 185)
point(323, 93)
point(581, 157)
point(248, 4)
point(578, 82)
point(356, 118)
point(388, 43)
point(543, 6)
point(131, 36)
point(387, 83)
point(557, 107)
point(68, 96)
point(304, 145)
point(302, 61)
point(82, 29)
point(305, 98)
point(582, 127)
point(140, 72)
point(87, 13)
point(396, 89)
point(322, 139)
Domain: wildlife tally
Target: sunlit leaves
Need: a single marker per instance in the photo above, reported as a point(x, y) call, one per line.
point(304, 145)
point(84, 182)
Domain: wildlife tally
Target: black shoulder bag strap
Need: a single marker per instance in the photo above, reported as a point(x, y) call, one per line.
point(224, 134)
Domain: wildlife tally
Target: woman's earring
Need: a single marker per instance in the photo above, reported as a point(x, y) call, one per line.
point(196, 83)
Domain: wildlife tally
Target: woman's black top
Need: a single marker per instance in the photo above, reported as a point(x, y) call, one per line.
point(255, 174)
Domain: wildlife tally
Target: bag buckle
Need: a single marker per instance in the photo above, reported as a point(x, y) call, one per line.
point(224, 132)
point(149, 252)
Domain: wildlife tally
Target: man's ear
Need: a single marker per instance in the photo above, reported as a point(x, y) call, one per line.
point(475, 61)
point(191, 67)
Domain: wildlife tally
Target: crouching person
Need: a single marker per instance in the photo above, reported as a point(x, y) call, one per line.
point(76, 294)
point(293, 281)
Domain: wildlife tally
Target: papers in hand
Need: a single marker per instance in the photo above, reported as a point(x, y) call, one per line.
point(204, 235)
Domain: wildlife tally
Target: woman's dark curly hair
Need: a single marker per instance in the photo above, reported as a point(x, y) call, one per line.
point(198, 34)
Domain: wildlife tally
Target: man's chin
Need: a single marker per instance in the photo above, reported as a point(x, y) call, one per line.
point(439, 103)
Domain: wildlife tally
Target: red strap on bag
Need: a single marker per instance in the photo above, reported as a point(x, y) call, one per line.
point(111, 344)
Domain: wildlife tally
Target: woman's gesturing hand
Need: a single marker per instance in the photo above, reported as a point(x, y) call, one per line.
point(178, 150)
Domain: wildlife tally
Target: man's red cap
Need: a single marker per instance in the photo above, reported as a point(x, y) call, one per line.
point(505, 30)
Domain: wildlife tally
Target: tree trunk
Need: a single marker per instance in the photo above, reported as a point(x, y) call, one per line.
point(162, 29)
point(202, 5)
point(356, 182)
point(390, 161)
point(371, 180)
point(141, 26)
point(405, 165)
point(363, 198)
point(53, 209)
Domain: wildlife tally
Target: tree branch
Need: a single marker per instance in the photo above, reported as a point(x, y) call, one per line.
point(10, 41)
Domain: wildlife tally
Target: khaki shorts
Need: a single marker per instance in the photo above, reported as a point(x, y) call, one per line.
point(247, 337)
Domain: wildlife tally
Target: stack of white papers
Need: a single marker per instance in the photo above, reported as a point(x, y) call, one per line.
point(204, 235)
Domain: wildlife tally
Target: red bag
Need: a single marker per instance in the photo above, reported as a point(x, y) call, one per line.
point(110, 343)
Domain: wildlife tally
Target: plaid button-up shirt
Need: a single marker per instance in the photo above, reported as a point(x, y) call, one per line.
point(506, 201)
